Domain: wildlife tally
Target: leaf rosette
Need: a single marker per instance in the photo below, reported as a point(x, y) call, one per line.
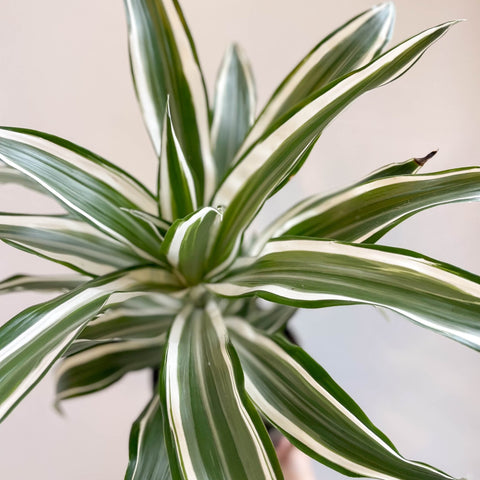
point(165, 280)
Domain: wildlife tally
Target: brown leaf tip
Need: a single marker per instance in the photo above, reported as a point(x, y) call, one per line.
point(423, 160)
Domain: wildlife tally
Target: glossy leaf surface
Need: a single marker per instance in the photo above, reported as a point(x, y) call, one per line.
point(315, 273)
point(217, 433)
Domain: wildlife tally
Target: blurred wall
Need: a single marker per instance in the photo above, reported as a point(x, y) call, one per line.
point(64, 69)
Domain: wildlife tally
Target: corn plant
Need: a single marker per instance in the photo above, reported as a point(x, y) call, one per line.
point(167, 281)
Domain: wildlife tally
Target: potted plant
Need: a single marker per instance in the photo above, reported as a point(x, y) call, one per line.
point(167, 281)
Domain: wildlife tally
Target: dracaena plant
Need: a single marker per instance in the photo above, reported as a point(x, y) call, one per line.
point(165, 280)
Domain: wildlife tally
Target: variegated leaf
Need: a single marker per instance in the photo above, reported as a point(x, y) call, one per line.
point(33, 340)
point(409, 167)
point(272, 319)
point(234, 107)
point(276, 155)
point(298, 396)
point(42, 283)
point(64, 240)
point(315, 273)
point(147, 446)
point(351, 46)
point(176, 186)
point(159, 225)
point(143, 316)
point(216, 432)
point(188, 243)
point(85, 184)
point(367, 211)
point(12, 175)
point(102, 364)
point(164, 63)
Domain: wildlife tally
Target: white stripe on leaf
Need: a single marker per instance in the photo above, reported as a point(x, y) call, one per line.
point(79, 373)
point(33, 340)
point(147, 446)
point(313, 66)
point(413, 193)
point(234, 107)
point(164, 62)
point(313, 273)
point(269, 164)
point(12, 175)
point(268, 366)
point(70, 242)
point(374, 74)
point(79, 183)
point(176, 187)
point(186, 372)
point(188, 243)
point(103, 171)
point(18, 283)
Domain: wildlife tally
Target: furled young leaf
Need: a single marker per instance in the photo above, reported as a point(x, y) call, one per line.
point(176, 186)
point(85, 184)
point(102, 364)
point(34, 339)
point(165, 64)
point(234, 107)
point(217, 433)
point(298, 396)
point(188, 243)
point(143, 316)
point(45, 283)
point(70, 242)
point(315, 273)
point(147, 447)
point(271, 161)
point(349, 47)
point(365, 212)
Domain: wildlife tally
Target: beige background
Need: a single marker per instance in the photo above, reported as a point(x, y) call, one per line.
point(64, 70)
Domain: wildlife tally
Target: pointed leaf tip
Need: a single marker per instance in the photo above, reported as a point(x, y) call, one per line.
point(423, 160)
point(388, 6)
point(454, 22)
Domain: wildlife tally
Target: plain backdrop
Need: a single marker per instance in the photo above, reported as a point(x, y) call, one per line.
point(64, 69)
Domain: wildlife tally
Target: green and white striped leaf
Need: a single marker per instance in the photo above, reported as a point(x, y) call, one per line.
point(271, 320)
point(234, 107)
point(367, 211)
point(33, 340)
point(72, 243)
point(349, 47)
point(11, 175)
point(409, 167)
point(298, 396)
point(85, 184)
point(188, 243)
point(217, 432)
point(79, 345)
point(176, 187)
point(147, 447)
point(41, 283)
point(145, 316)
point(159, 225)
point(271, 161)
point(165, 64)
point(315, 273)
point(102, 364)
